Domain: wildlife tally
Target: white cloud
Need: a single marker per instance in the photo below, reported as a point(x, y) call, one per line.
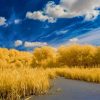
point(85, 8)
point(67, 9)
point(34, 44)
point(18, 43)
point(17, 21)
point(92, 15)
point(28, 44)
point(73, 40)
point(61, 32)
point(53, 10)
point(2, 21)
point(92, 37)
point(38, 15)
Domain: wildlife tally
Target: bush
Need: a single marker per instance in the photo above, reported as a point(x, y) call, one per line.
point(79, 55)
point(43, 56)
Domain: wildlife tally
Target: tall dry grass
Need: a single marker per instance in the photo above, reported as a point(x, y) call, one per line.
point(20, 82)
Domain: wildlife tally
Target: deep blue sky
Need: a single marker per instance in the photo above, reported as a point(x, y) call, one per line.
point(18, 27)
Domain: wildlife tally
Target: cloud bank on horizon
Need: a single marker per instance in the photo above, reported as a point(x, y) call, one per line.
point(55, 22)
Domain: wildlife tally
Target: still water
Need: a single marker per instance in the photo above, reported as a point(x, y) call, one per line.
point(65, 89)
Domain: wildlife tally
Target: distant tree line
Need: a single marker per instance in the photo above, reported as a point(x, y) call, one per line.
point(71, 56)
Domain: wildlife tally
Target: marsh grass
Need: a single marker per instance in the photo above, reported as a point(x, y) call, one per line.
point(17, 83)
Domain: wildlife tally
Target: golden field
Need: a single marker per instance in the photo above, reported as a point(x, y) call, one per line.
point(24, 74)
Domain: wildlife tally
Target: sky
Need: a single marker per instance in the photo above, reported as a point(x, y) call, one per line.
point(26, 24)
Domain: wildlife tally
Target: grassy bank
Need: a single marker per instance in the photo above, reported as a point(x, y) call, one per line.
point(18, 83)
point(24, 73)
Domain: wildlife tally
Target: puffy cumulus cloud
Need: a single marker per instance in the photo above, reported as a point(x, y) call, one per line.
point(38, 15)
point(85, 8)
point(58, 11)
point(67, 3)
point(18, 43)
point(67, 9)
point(34, 44)
point(54, 11)
point(80, 5)
point(91, 15)
point(2, 21)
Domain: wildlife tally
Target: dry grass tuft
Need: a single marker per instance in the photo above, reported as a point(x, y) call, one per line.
point(18, 83)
